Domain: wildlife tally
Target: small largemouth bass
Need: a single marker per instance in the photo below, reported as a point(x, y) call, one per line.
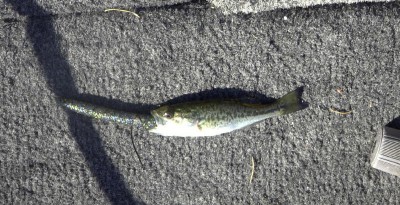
point(198, 118)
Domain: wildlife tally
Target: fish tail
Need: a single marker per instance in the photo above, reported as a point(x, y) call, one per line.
point(292, 102)
point(99, 112)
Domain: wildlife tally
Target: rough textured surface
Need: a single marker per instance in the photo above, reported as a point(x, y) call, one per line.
point(254, 6)
point(54, 7)
point(313, 156)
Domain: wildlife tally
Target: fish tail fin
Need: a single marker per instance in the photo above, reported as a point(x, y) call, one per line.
point(292, 102)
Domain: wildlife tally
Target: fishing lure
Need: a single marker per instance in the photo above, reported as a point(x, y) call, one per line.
point(197, 118)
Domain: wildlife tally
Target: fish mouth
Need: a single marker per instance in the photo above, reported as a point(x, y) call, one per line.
point(159, 120)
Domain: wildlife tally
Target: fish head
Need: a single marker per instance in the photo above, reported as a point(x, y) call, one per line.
point(171, 121)
point(163, 114)
point(168, 114)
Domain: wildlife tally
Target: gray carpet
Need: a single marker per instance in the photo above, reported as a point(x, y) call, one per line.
point(193, 51)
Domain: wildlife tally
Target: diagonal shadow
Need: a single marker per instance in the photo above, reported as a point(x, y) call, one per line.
point(46, 45)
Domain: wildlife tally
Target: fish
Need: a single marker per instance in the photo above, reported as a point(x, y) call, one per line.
point(197, 118)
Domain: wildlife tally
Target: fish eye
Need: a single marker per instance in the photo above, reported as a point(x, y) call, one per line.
point(167, 115)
